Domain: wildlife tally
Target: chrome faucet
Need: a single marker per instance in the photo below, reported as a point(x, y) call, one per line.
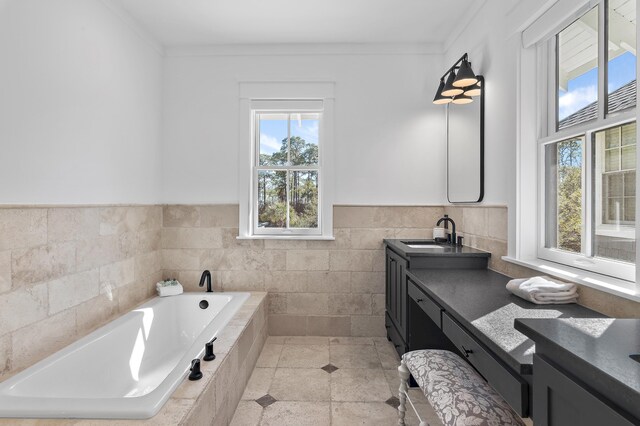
point(206, 275)
point(447, 219)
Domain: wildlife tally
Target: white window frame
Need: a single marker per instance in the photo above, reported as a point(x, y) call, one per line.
point(547, 55)
point(284, 97)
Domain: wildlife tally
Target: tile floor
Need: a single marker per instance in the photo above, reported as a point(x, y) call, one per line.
point(320, 381)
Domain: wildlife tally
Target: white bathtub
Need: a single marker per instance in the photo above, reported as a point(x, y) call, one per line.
point(126, 369)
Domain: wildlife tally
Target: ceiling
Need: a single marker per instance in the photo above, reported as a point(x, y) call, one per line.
point(211, 22)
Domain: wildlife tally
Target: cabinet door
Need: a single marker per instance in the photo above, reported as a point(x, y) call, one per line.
point(389, 275)
point(396, 291)
point(560, 400)
point(401, 298)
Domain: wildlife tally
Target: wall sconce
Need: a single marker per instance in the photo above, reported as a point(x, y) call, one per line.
point(459, 87)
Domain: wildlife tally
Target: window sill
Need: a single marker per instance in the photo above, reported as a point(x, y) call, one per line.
point(625, 289)
point(287, 237)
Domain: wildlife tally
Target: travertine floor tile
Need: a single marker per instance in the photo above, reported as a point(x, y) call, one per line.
point(259, 383)
point(354, 356)
point(388, 355)
point(275, 340)
point(269, 356)
point(248, 413)
point(291, 413)
point(363, 413)
point(304, 356)
point(299, 384)
point(359, 385)
point(351, 341)
point(306, 340)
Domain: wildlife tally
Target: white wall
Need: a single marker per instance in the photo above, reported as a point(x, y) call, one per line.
point(389, 137)
point(80, 105)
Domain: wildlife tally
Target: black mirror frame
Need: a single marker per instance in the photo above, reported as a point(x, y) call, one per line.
point(481, 100)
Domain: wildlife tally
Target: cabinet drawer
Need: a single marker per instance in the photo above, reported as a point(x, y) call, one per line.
point(393, 335)
point(511, 387)
point(428, 305)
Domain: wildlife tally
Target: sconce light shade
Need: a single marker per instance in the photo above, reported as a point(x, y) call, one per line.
point(462, 99)
point(449, 89)
point(465, 76)
point(439, 99)
point(474, 90)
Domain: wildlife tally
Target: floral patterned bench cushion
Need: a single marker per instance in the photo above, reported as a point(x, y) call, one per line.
point(457, 393)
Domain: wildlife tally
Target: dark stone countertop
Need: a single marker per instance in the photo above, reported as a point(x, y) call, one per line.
point(479, 301)
point(445, 250)
point(595, 350)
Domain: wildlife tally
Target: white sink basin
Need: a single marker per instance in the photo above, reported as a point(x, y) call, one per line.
point(426, 245)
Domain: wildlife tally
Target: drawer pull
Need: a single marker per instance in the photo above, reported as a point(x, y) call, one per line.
point(419, 300)
point(466, 351)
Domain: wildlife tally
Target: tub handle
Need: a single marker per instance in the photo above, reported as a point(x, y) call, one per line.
point(208, 350)
point(196, 374)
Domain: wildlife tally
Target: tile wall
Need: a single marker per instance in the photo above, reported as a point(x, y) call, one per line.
point(66, 270)
point(316, 288)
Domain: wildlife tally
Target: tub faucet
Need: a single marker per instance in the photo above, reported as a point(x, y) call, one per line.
point(206, 275)
point(447, 219)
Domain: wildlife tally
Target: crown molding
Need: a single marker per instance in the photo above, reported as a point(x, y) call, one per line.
point(305, 49)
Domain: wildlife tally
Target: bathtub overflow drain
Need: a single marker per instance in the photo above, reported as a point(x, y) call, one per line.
point(204, 304)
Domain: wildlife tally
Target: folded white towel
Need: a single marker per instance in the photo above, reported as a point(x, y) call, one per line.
point(169, 288)
point(543, 290)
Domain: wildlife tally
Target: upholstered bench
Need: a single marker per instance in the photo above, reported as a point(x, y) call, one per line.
point(458, 394)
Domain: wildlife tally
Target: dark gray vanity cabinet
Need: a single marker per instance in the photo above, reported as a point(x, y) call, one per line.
point(559, 400)
point(396, 300)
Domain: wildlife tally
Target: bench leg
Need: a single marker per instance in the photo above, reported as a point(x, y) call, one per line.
point(403, 372)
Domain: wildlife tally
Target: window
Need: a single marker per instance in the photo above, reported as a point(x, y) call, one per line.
point(285, 160)
point(287, 169)
point(589, 151)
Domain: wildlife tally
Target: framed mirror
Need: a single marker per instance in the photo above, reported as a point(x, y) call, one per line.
point(465, 150)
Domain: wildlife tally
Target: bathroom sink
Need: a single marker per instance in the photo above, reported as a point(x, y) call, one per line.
point(423, 244)
point(635, 357)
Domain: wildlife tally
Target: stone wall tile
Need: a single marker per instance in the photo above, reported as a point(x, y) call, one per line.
point(72, 290)
point(308, 303)
point(70, 224)
point(32, 344)
point(22, 307)
point(367, 282)
point(287, 325)
point(329, 325)
point(180, 216)
point(22, 228)
point(307, 260)
point(116, 275)
point(42, 263)
point(350, 304)
point(5, 271)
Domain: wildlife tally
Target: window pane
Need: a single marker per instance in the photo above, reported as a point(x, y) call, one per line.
point(612, 160)
point(563, 185)
point(621, 72)
point(304, 139)
point(614, 225)
point(577, 77)
point(612, 138)
point(272, 199)
point(273, 139)
point(303, 211)
point(628, 157)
